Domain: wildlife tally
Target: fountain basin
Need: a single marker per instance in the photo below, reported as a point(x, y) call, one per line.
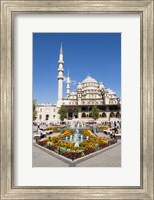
point(76, 136)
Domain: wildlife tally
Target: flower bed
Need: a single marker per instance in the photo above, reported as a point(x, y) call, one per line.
point(54, 129)
point(70, 150)
point(88, 133)
point(102, 128)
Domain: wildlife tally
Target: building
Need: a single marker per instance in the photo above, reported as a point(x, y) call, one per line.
point(46, 113)
point(79, 102)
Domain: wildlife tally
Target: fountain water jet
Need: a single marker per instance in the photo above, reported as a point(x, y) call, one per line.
point(76, 135)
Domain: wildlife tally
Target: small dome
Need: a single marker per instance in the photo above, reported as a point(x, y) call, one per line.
point(73, 93)
point(89, 79)
point(90, 88)
point(110, 91)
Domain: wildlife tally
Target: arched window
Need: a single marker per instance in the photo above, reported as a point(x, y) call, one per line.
point(40, 116)
point(83, 115)
point(70, 113)
point(47, 117)
point(118, 115)
point(75, 113)
point(110, 102)
point(103, 114)
point(112, 115)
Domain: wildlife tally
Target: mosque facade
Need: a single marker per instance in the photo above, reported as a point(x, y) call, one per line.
point(79, 103)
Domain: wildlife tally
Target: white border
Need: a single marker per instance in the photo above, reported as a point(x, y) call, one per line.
point(129, 173)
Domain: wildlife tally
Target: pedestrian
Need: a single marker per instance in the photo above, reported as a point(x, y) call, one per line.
point(118, 125)
point(114, 137)
point(38, 125)
point(94, 128)
point(115, 125)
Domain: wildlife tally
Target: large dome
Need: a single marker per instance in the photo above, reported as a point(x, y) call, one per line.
point(89, 79)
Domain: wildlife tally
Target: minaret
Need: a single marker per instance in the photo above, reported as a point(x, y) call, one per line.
point(60, 77)
point(68, 85)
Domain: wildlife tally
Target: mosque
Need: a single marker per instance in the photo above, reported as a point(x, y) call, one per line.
point(79, 103)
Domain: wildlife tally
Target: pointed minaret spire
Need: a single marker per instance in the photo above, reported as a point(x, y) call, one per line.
point(68, 84)
point(60, 77)
point(61, 55)
point(61, 49)
point(68, 74)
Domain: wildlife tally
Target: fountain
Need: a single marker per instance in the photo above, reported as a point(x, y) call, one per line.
point(76, 144)
point(81, 124)
point(81, 138)
point(71, 138)
point(76, 135)
point(78, 125)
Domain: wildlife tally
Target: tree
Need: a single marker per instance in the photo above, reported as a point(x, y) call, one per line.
point(34, 109)
point(95, 113)
point(62, 112)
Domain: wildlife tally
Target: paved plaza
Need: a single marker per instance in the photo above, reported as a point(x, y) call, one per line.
point(110, 157)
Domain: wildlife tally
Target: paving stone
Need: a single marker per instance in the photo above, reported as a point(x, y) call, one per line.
point(43, 159)
point(109, 158)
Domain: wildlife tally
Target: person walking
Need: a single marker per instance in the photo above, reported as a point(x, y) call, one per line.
point(38, 125)
point(94, 128)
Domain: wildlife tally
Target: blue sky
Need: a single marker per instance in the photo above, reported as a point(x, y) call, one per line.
point(94, 54)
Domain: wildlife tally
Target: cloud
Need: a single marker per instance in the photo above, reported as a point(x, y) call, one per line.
point(73, 82)
point(65, 78)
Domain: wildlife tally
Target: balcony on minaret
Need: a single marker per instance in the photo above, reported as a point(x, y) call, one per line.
point(60, 77)
point(60, 62)
point(68, 80)
point(60, 69)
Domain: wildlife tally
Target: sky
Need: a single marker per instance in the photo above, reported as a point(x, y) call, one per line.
point(94, 54)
